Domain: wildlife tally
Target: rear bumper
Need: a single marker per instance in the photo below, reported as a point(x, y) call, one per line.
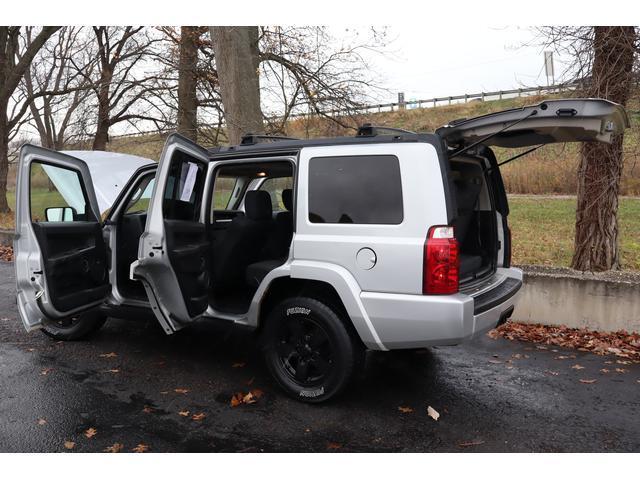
point(414, 321)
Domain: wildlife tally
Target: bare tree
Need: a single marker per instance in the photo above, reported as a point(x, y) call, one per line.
point(125, 90)
point(13, 65)
point(604, 60)
point(307, 70)
point(237, 61)
point(55, 88)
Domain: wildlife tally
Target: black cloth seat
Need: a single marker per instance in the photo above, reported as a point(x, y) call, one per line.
point(243, 241)
point(257, 271)
point(467, 193)
point(280, 239)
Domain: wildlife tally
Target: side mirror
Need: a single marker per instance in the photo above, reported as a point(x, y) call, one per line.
point(60, 214)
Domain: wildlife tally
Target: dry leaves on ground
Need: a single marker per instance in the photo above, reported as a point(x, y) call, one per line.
point(69, 444)
point(42, 421)
point(333, 446)
point(108, 355)
point(140, 448)
point(621, 343)
point(115, 448)
point(246, 398)
point(433, 413)
point(90, 432)
point(6, 253)
point(405, 409)
point(588, 380)
point(148, 409)
point(577, 366)
point(184, 413)
point(183, 391)
point(46, 371)
point(198, 417)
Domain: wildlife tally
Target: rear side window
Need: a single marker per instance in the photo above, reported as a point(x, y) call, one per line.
point(355, 189)
point(183, 191)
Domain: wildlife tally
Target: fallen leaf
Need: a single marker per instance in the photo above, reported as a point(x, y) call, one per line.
point(405, 409)
point(236, 400)
point(582, 380)
point(46, 371)
point(578, 367)
point(605, 370)
point(563, 357)
point(108, 355)
point(184, 413)
point(115, 448)
point(113, 370)
point(147, 409)
point(249, 398)
point(164, 392)
point(238, 365)
point(42, 421)
point(433, 413)
point(183, 391)
point(90, 432)
point(471, 444)
point(198, 416)
point(140, 448)
point(69, 444)
point(551, 372)
point(621, 370)
point(333, 446)
point(623, 362)
point(31, 349)
point(495, 361)
point(256, 392)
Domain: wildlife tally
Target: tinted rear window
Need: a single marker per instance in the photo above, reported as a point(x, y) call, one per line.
point(355, 189)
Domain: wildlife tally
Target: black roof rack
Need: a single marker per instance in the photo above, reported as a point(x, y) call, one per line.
point(253, 139)
point(369, 130)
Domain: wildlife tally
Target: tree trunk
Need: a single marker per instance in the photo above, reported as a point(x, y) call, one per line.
point(237, 63)
point(596, 241)
point(102, 128)
point(187, 81)
point(4, 158)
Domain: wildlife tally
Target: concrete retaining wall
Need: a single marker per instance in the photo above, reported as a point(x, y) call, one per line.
point(6, 237)
point(602, 301)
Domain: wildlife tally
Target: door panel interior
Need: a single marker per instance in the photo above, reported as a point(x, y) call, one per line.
point(74, 262)
point(188, 248)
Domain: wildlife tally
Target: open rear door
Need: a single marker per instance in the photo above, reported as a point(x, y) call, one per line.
point(60, 255)
point(173, 253)
point(552, 121)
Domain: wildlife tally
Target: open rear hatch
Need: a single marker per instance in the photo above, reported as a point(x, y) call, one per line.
point(481, 205)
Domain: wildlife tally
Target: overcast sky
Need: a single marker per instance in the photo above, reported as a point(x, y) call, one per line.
point(431, 60)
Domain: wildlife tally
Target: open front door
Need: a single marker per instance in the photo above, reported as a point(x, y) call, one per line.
point(60, 255)
point(173, 253)
point(552, 121)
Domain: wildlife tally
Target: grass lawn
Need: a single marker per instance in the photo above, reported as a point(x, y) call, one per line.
point(543, 230)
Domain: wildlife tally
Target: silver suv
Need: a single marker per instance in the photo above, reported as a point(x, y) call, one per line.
point(327, 247)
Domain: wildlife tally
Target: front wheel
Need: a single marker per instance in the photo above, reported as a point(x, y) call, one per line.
point(76, 327)
point(309, 350)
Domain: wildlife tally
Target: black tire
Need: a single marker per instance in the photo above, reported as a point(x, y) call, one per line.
point(309, 350)
point(75, 328)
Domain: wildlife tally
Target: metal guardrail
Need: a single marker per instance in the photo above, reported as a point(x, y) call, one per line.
point(411, 104)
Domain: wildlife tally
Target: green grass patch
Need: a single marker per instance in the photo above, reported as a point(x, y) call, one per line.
point(543, 230)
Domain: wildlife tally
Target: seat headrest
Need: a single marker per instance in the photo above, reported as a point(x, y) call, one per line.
point(287, 198)
point(257, 205)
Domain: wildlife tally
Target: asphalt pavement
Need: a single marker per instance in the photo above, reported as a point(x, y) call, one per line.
point(132, 387)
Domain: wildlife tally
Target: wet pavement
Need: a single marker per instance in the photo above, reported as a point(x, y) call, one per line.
point(130, 382)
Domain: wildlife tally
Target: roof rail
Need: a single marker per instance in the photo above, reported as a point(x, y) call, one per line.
point(252, 138)
point(369, 130)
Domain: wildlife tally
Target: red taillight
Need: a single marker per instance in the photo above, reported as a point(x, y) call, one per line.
point(440, 267)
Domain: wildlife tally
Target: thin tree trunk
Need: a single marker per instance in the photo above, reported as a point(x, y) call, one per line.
point(596, 245)
point(187, 82)
point(237, 63)
point(4, 159)
point(102, 128)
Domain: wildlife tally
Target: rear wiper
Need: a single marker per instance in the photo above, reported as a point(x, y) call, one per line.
point(482, 140)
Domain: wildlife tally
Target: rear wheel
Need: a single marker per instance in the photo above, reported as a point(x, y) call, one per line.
point(75, 327)
point(309, 350)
